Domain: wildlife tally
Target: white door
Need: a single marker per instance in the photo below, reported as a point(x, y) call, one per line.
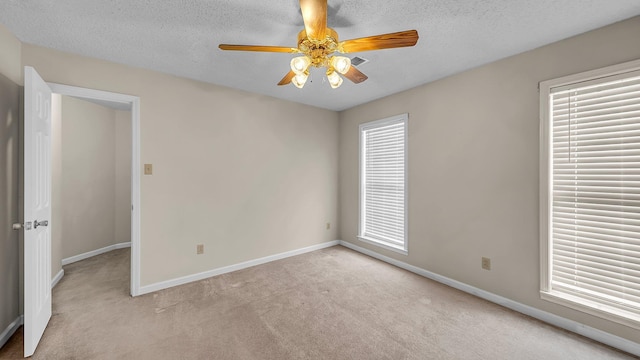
point(37, 208)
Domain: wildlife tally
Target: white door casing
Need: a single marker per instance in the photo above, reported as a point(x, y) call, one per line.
point(37, 208)
point(133, 103)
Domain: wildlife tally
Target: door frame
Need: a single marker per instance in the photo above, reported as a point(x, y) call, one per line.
point(134, 102)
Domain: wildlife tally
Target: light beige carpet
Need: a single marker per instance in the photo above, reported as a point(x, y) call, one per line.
point(329, 304)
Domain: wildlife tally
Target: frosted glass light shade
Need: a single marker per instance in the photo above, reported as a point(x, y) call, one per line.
point(334, 79)
point(300, 64)
point(299, 80)
point(341, 64)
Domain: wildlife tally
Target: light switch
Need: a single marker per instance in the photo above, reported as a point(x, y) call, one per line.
point(148, 169)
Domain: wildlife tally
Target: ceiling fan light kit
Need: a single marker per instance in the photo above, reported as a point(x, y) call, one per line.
point(300, 79)
point(300, 64)
point(334, 79)
point(318, 43)
point(341, 64)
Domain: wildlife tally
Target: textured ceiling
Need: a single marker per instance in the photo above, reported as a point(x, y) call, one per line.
point(181, 37)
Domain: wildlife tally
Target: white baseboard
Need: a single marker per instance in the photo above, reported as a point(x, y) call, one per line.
point(576, 327)
point(56, 279)
point(223, 270)
point(10, 330)
point(89, 254)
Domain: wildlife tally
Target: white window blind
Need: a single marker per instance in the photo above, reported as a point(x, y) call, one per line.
point(594, 214)
point(382, 175)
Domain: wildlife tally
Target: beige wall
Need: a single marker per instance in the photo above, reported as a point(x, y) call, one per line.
point(473, 166)
point(246, 175)
point(10, 56)
point(92, 134)
point(122, 183)
point(9, 187)
point(88, 176)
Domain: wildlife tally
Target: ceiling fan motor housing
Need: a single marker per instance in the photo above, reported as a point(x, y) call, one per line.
point(318, 51)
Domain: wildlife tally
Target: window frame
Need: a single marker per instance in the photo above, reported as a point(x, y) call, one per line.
point(401, 118)
point(546, 189)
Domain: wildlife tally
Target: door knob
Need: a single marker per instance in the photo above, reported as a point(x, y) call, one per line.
point(40, 223)
point(18, 226)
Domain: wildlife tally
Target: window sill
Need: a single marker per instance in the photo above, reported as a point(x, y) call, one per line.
point(387, 246)
point(627, 318)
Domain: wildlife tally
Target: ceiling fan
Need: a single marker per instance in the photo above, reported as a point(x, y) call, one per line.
point(317, 43)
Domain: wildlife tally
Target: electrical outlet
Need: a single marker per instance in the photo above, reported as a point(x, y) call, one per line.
point(200, 249)
point(328, 226)
point(486, 263)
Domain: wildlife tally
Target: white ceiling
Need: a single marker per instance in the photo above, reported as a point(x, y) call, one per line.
point(181, 37)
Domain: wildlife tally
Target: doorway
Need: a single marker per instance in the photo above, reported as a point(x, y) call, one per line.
point(91, 180)
point(131, 105)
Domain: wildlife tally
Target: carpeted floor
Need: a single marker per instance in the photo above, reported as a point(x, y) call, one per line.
point(328, 304)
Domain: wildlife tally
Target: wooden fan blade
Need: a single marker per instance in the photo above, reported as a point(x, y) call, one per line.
point(355, 75)
point(287, 78)
point(279, 49)
point(377, 42)
point(314, 14)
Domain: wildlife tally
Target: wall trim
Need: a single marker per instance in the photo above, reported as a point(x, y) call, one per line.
point(227, 269)
point(56, 279)
point(564, 323)
point(89, 254)
point(10, 330)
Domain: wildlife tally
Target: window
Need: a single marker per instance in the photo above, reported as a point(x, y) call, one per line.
point(590, 192)
point(383, 161)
